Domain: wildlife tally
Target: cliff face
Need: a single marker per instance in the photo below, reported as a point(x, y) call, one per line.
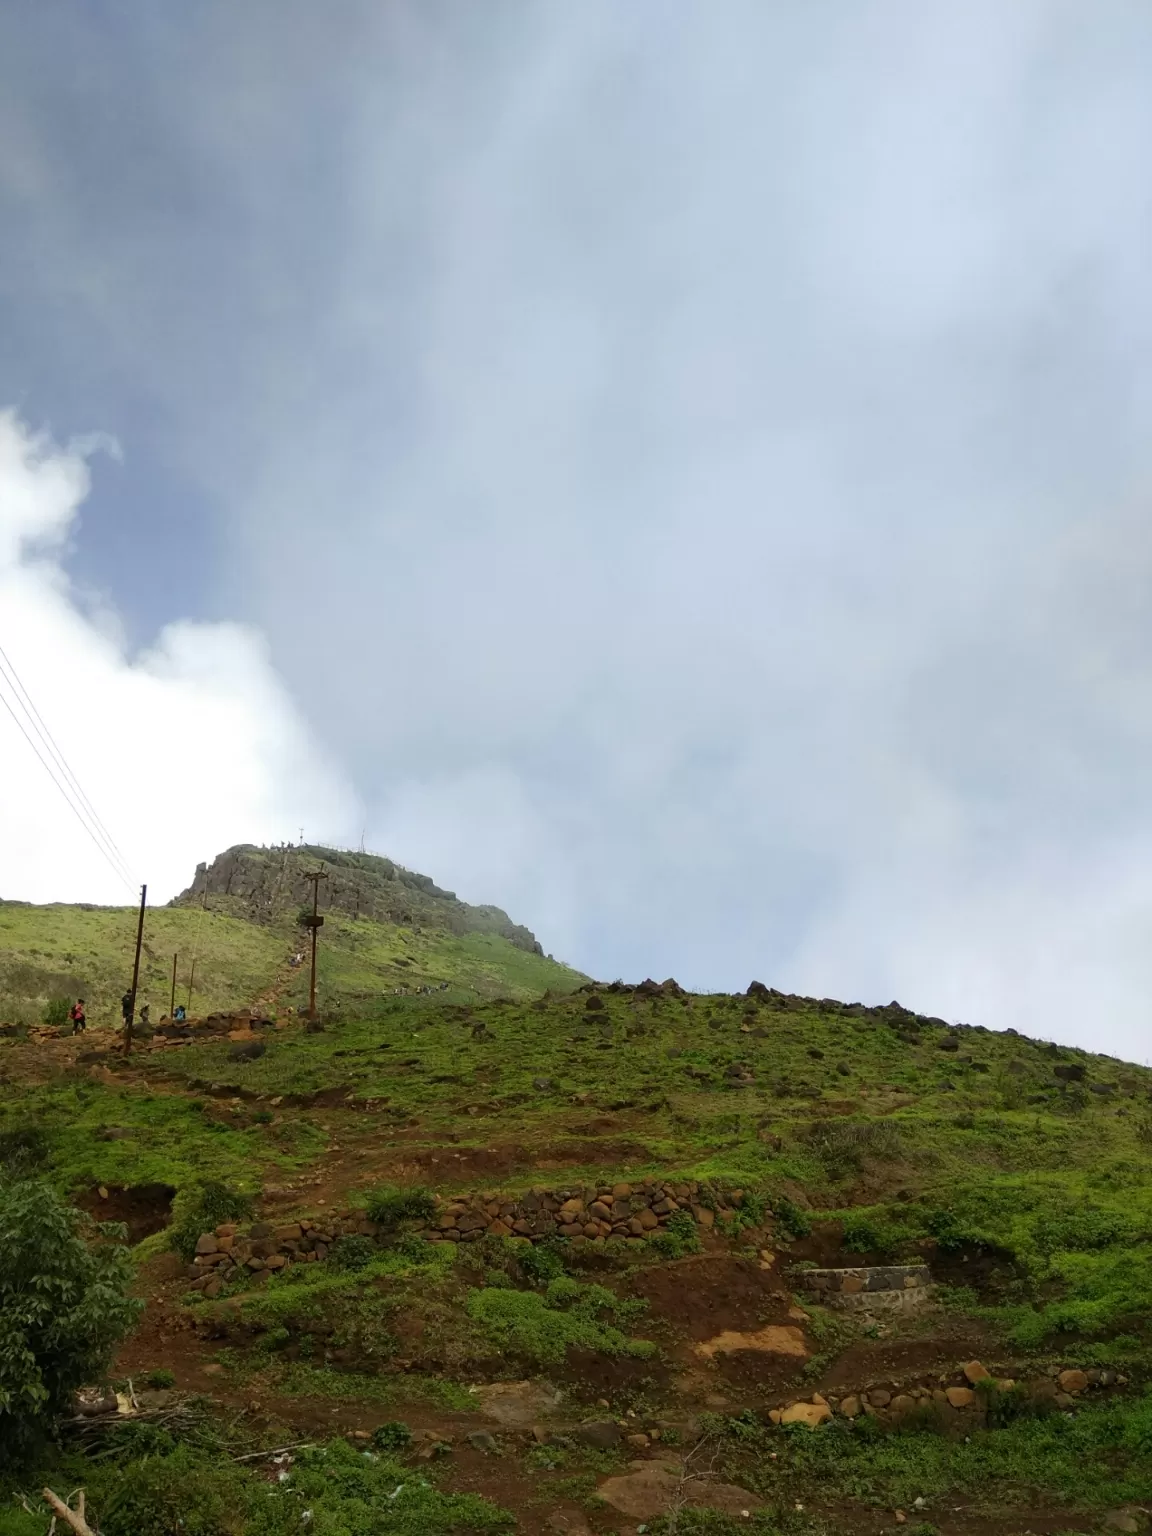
point(267, 884)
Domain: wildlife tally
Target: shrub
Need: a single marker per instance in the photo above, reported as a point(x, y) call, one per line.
point(541, 1262)
point(353, 1252)
point(791, 1217)
point(679, 1237)
point(160, 1380)
point(845, 1146)
point(569, 1314)
point(56, 1011)
point(393, 1436)
point(202, 1207)
point(183, 1491)
point(63, 1308)
point(389, 1207)
point(23, 1149)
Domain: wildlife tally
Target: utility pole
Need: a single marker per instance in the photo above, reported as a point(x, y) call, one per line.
point(130, 1020)
point(315, 922)
point(172, 1003)
point(191, 979)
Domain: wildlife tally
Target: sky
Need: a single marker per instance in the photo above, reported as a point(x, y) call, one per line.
point(680, 473)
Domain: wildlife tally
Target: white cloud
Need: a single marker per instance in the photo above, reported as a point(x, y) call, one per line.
point(182, 750)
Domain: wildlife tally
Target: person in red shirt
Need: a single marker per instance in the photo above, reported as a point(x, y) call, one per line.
point(77, 1015)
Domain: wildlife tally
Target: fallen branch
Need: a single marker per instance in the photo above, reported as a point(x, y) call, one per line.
point(74, 1518)
point(278, 1450)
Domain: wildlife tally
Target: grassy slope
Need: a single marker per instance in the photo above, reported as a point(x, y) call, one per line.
point(848, 1110)
point(65, 951)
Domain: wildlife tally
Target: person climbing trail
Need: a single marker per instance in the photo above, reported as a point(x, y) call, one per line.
point(78, 1016)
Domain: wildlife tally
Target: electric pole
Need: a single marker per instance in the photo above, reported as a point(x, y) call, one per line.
point(172, 1003)
point(315, 922)
point(130, 1020)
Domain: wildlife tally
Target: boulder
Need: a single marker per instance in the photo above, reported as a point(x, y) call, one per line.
point(960, 1397)
point(975, 1372)
point(601, 1434)
point(1072, 1382)
point(812, 1415)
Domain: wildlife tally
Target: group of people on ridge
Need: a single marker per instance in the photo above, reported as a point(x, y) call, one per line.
point(78, 1017)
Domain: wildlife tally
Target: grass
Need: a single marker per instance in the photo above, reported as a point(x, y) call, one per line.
point(1100, 1457)
point(542, 1328)
point(59, 951)
point(154, 1486)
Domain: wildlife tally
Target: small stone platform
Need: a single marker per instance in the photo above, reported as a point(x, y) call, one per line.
point(869, 1287)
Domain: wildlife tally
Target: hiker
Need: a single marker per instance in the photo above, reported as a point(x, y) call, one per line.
point(77, 1015)
point(180, 1014)
point(126, 1008)
point(145, 1021)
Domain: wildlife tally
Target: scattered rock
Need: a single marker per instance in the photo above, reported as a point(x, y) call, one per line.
point(772, 1340)
point(810, 1414)
point(647, 1492)
point(1122, 1520)
point(1072, 1382)
point(879, 1397)
point(247, 1050)
point(481, 1440)
point(850, 1407)
point(516, 1403)
point(960, 1397)
point(975, 1372)
point(601, 1434)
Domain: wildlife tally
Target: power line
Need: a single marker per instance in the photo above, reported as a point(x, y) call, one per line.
point(26, 702)
point(113, 858)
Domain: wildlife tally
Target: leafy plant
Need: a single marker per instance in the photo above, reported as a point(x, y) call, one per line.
point(540, 1262)
point(393, 1436)
point(56, 1011)
point(64, 1306)
point(23, 1149)
point(202, 1207)
point(352, 1252)
point(790, 1217)
point(389, 1207)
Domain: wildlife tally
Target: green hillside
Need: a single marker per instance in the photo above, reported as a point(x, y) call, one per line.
point(242, 943)
point(788, 1135)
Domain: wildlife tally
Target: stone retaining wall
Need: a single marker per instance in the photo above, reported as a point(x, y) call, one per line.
point(588, 1213)
point(892, 1286)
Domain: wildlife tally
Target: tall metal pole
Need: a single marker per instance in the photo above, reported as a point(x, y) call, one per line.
point(131, 1019)
point(316, 876)
point(172, 1003)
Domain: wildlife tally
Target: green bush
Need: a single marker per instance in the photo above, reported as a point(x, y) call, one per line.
point(541, 1262)
point(202, 1207)
point(393, 1436)
point(64, 1306)
point(846, 1146)
point(569, 1314)
point(184, 1491)
point(56, 1011)
point(353, 1252)
point(23, 1149)
point(679, 1237)
point(389, 1207)
point(790, 1217)
point(160, 1380)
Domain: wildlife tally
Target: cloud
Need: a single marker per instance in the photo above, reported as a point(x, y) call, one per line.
point(713, 449)
point(182, 750)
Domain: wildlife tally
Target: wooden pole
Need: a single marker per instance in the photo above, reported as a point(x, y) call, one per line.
point(191, 978)
point(315, 878)
point(131, 1019)
point(172, 1003)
